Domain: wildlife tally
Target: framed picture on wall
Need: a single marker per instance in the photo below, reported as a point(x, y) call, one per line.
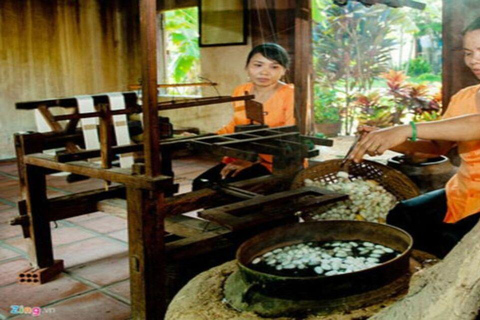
point(223, 22)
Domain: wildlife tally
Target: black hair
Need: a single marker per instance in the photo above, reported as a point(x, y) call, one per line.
point(474, 25)
point(271, 51)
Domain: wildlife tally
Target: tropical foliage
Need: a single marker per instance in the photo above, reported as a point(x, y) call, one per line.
point(352, 52)
point(352, 46)
point(183, 52)
point(401, 99)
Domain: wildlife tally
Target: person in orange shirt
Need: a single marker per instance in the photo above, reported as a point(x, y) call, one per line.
point(438, 220)
point(266, 66)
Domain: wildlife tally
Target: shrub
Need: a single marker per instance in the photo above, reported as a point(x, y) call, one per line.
point(326, 107)
point(418, 66)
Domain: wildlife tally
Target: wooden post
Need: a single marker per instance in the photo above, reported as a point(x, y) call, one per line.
point(147, 254)
point(145, 220)
point(303, 76)
point(151, 134)
point(288, 23)
point(40, 241)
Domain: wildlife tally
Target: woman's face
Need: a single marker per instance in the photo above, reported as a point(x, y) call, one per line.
point(471, 51)
point(264, 72)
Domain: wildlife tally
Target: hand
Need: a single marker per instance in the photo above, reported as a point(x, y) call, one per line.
point(235, 167)
point(363, 130)
point(378, 141)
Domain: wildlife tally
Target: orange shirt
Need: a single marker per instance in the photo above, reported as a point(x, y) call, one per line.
point(463, 189)
point(278, 111)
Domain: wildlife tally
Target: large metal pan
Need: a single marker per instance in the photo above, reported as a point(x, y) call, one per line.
point(321, 287)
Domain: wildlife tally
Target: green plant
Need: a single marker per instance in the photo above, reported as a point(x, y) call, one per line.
point(183, 52)
point(418, 66)
point(351, 47)
point(326, 108)
point(373, 110)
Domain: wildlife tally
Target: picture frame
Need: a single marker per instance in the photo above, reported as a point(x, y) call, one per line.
point(222, 22)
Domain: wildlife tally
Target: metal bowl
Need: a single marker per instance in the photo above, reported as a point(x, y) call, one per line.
point(322, 287)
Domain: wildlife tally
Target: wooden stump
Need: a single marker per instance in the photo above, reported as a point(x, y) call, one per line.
point(449, 290)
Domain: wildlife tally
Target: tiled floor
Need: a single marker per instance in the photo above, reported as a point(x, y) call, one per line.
point(94, 249)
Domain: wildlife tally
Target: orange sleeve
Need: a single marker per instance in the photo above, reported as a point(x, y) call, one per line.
point(289, 107)
point(238, 113)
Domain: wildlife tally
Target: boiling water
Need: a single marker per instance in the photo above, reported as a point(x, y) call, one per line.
point(322, 258)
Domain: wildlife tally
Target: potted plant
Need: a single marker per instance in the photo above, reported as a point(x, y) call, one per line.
point(327, 113)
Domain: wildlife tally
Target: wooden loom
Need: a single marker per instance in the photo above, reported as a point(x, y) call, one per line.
point(161, 239)
point(152, 216)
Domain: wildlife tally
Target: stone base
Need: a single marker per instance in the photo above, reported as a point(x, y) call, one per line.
point(203, 299)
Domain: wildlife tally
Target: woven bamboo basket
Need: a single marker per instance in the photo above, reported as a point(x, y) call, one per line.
point(392, 180)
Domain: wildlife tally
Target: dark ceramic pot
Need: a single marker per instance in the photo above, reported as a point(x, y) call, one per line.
point(429, 175)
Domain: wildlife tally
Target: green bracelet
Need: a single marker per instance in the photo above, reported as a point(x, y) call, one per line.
point(414, 131)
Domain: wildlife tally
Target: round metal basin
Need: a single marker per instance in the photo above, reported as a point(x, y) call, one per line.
point(324, 287)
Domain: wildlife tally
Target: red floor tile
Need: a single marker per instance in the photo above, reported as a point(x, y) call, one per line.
point(120, 235)
point(60, 236)
point(7, 253)
point(66, 235)
point(8, 231)
point(10, 190)
point(32, 295)
point(4, 206)
point(9, 167)
point(89, 216)
point(18, 242)
point(88, 251)
point(86, 185)
point(121, 288)
point(10, 269)
point(92, 306)
point(104, 271)
point(6, 215)
point(105, 224)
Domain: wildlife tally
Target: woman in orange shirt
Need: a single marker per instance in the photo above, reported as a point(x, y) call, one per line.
point(266, 66)
point(439, 219)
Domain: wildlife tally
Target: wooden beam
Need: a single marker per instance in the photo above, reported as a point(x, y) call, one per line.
point(80, 203)
point(94, 170)
point(199, 199)
point(175, 4)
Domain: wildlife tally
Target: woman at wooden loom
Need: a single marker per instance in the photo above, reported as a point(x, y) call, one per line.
point(266, 66)
point(438, 220)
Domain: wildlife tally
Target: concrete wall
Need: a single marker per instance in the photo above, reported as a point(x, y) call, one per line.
point(62, 48)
